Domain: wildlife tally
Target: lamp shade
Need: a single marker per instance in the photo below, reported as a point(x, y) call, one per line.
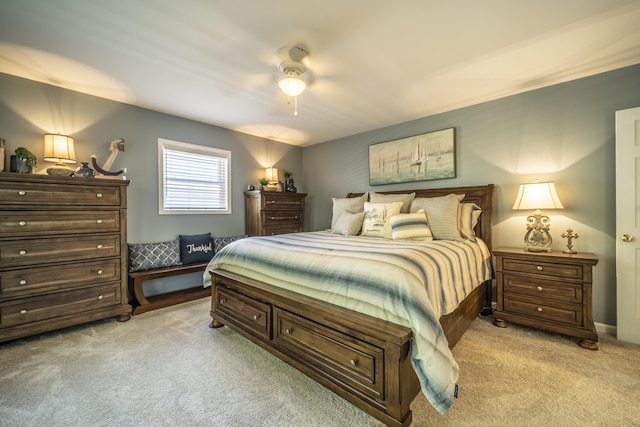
point(271, 174)
point(292, 84)
point(59, 148)
point(539, 195)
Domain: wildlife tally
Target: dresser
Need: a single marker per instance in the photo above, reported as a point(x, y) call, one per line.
point(63, 252)
point(550, 291)
point(271, 212)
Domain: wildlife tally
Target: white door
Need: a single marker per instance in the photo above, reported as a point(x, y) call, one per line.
point(628, 224)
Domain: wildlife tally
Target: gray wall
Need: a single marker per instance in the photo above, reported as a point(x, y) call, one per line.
point(564, 133)
point(29, 109)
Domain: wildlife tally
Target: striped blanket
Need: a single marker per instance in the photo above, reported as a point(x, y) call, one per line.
point(405, 282)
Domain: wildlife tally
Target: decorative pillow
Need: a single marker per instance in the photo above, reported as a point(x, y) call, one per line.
point(196, 248)
point(221, 242)
point(468, 214)
point(347, 204)
point(412, 226)
point(390, 198)
point(442, 215)
point(349, 224)
point(376, 218)
point(146, 256)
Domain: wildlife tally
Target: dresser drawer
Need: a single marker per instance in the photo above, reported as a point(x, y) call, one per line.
point(276, 218)
point(27, 281)
point(282, 229)
point(339, 358)
point(570, 314)
point(542, 288)
point(31, 223)
point(49, 250)
point(281, 201)
point(42, 194)
point(569, 271)
point(251, 313)
point(27, 310)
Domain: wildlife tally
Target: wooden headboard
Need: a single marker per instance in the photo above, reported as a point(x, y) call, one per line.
point(481, 195)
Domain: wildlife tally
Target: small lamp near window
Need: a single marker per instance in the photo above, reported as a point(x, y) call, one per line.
point(59, 149)
point(537, 196)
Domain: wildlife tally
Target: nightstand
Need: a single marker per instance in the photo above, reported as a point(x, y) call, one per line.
point(546, 290)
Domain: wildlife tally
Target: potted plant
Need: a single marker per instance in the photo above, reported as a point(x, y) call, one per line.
point(263, 183)
point(24, 161)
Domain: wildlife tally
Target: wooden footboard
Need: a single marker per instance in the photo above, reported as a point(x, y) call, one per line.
point(363, 359)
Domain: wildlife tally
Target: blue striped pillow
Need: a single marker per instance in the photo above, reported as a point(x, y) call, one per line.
point(412, 226)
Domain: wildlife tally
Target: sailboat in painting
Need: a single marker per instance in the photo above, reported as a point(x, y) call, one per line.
point(419, 156)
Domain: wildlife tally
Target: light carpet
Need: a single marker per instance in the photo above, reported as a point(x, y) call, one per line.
point(168, 368)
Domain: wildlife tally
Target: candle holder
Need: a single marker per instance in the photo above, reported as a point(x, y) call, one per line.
point(569, 235)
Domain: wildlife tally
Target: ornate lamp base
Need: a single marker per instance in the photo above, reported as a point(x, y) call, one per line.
point(537, 238)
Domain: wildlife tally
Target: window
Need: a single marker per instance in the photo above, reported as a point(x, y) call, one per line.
point(193, 179)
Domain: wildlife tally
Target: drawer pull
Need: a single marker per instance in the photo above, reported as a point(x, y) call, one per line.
point(22, 252)
point(539, 309)
point(272, 201)
point(223, 300)
point(539, 268)
point(22, 223)
point(23, 311)
point(353, 362)
point(288, 330)
point(22, 282)
point(256, 316)
point(99, 195)
point(272, 217)
point(22, 193)
point(100, 297)
point(98, 221)
point(99, 272)
point(539, 288)
point(99, 246)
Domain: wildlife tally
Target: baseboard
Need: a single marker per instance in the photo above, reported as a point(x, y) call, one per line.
point(603, 328)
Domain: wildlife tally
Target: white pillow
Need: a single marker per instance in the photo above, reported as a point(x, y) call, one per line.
point(468, 214)
point(349, 224)
point(411, 226)
point(347, 204)
point(390, 198)
point(376, 218)
point(442, 215)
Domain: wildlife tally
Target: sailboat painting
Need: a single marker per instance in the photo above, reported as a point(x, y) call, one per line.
point(421, 157)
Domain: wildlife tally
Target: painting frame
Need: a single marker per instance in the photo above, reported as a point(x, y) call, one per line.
point(409, 159)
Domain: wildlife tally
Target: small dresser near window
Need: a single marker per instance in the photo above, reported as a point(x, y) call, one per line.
point(272, 212)
point(63, 252)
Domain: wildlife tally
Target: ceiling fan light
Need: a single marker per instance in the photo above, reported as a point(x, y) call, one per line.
point(292, 84)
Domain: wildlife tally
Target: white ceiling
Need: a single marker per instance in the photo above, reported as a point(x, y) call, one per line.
point(372, 63)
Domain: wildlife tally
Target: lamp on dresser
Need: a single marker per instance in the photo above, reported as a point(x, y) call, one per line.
point(59, 149)
point(536, 196)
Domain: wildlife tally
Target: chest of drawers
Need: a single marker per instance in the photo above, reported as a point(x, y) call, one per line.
point(271, 212)
point(63, 252)
point(550, 291)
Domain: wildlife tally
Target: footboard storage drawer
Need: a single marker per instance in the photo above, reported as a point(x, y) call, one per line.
point(254, 315)
point(337, 356)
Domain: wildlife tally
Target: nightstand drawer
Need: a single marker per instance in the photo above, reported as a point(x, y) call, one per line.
point(569, 271)
point(542, 288)
point(571, 315)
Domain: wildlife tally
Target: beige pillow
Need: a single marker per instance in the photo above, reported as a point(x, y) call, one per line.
point(349, 224)
point(410, 226)
point(390, 198)
point(376, 221)
point(347, 204)
point(468, 213)
point(442, 215)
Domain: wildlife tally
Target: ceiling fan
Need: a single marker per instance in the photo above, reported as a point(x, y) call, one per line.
point(294, 77)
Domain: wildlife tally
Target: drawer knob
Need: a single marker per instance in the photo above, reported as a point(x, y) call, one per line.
point(22, 193)
point(22, 252)
point(100, 297)
point(99, 272)
point(23, 311)
point(539, 288)
point(99, 246)
point(22, 223)
point(23, 282)
point(256, 316)
point(99, 195)
point(288, 330)
point(223, 300)
point(272, 217)
point(539, 309)
point(539, 268)
point(353, 362)
point(272, 201)
point(98, 221)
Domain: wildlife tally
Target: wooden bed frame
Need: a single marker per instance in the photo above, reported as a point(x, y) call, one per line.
point(363, 359)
